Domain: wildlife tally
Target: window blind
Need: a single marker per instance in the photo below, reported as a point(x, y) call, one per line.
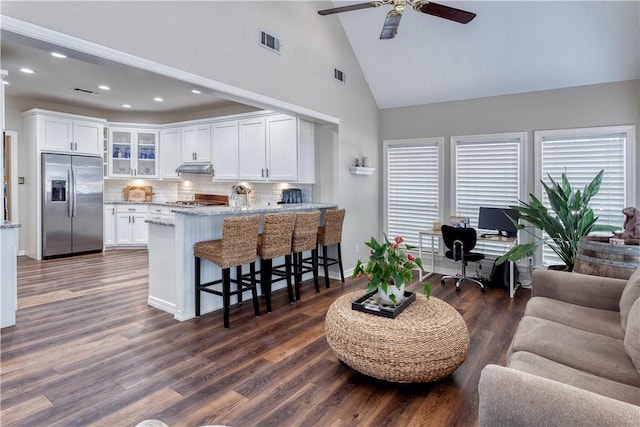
point(413, 189)
point(487, 174)
point(581, 157)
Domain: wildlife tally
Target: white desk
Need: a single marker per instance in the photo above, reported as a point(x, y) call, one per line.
point(433, 234)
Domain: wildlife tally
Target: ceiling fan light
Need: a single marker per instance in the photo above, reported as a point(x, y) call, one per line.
point(27, 70)
point(58, 55)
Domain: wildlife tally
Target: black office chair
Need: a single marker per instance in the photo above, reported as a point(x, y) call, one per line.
point(460, 242)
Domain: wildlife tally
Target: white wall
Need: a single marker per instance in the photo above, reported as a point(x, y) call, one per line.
point(219, 41)
point(584, 106)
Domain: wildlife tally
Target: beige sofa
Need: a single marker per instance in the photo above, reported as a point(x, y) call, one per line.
point(574, 359)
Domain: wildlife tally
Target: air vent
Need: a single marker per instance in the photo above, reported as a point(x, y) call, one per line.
point(339, 75)
point(85, 91)
point(269, 41)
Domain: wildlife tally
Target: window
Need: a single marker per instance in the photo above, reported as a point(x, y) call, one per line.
point(487, 170)
point(412, 186)
point(581, 154)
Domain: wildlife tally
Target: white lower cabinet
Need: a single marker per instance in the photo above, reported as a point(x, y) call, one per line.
point(109, 225)
point(131, 228)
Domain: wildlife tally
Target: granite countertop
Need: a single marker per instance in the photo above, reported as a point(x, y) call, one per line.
point(228, 210)
point(9, 224)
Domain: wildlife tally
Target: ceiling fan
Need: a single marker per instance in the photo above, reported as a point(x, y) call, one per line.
point(390, 27)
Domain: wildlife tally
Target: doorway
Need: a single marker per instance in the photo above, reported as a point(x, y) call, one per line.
point(9, 176)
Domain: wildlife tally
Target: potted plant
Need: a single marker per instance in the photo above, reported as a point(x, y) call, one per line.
point(389, 268)
point(568, 219)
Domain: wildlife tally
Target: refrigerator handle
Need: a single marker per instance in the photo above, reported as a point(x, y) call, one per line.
point(73, 195)
point(69, 195)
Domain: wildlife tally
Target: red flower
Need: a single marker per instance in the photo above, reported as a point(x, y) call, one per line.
point(360, 274)
point(394, 246)
point(399, 240)
point(411, 257)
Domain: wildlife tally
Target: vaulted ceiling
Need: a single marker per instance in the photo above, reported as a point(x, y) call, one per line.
point(510, 47)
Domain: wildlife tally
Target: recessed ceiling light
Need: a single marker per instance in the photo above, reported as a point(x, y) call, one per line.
point(196, 91)
point(58, 55)
point(104, 87)
point(5, 82)
point(158, 99)
point(126, 105)
point(27, 70)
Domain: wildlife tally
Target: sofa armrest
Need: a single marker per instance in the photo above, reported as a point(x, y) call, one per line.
point(576, 288)
point(513, 398)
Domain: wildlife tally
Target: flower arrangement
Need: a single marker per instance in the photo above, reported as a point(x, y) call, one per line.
point(389, 264)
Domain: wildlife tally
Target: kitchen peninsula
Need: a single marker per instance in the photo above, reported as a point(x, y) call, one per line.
point(171, 262)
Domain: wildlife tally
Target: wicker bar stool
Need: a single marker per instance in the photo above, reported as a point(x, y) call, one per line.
point(331, 234)
point(275, 241)
point(305, 238)
point(237, 247)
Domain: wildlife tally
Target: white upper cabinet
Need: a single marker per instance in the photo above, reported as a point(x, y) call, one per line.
point(252, 163)
point(225, 150)
point(268, 148)
point(196, 144)
point(133, 152)
point(282, 148)
point(67, 135)
point(170, 153)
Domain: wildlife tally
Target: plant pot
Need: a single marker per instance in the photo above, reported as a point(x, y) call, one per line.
point(384, 297)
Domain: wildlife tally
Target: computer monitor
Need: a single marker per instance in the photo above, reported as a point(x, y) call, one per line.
point(498, 219)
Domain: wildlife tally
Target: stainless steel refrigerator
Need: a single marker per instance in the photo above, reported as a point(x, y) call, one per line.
point(72, 208)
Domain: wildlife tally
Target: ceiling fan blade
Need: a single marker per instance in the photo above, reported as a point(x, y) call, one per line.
point(390, 27)
point(351, 7)
point(446, 12)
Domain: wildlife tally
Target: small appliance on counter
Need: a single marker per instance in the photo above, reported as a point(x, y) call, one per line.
point(239, 196)
point(291, 195)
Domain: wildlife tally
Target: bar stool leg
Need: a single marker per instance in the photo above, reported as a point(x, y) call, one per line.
point(265, 280)
point(326, 266)
point(297, 275)
point(254, 290)
point(287, 266)
point(340, 263)
point(239, 282)
point(197, 280)
point(314, 265)
point(226, 297)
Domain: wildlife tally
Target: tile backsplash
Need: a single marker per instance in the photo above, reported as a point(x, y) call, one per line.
point(170, 191)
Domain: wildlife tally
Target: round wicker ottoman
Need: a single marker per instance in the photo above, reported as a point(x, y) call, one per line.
point(426, 342)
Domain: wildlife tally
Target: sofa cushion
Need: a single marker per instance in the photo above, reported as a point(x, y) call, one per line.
point(596, 354)
point(630, 294)
point(537, 365)
point(632, 335)
point(603, 322)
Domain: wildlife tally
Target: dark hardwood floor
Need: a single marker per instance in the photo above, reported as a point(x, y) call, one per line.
point(87, 350)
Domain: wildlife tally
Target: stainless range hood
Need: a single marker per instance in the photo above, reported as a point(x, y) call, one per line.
point(205, 168)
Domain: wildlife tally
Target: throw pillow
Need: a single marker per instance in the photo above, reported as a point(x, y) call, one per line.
point(629, 296)
point(632, 335)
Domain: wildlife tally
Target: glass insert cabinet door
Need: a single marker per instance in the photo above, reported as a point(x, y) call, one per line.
point(121, 149)
point(146, 154)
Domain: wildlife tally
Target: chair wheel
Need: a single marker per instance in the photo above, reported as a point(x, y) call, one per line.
point(457, 289)
point(482, 290)
point(442, 282)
